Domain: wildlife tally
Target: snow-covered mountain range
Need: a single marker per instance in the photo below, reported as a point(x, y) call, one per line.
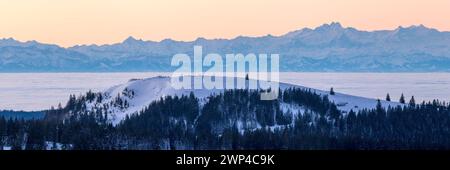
point(138, 94)
point(330, 47)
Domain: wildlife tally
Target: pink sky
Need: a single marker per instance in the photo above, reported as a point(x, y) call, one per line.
point(71, 22)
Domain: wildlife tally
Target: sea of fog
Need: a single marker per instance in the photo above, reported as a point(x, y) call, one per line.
point(38, 91)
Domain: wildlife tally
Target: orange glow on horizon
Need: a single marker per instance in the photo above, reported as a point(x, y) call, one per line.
point(72, 22)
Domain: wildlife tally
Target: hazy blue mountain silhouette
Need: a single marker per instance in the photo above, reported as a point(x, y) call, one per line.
point(329, 47)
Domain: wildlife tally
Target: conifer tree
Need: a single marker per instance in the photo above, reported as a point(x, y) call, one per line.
point(402, 99)
point(388, 98)
point(379, 106)
point(412, 102)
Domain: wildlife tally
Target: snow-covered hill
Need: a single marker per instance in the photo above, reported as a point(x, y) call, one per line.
point(140, 93)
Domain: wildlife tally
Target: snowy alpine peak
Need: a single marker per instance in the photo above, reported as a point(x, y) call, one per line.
point(417, 30)
point(132, 40)
point(11, 42)
point(8, 41)
point(419, 27)
point(328, 27)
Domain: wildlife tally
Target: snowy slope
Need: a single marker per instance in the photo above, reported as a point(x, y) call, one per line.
point(151, 89)
point(146, 91)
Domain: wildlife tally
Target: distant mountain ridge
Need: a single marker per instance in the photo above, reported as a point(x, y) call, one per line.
point(330, 47)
